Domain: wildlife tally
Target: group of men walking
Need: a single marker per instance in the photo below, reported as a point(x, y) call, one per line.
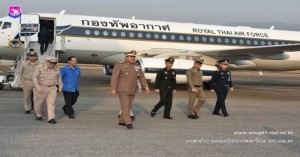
point(44, 81)
point(126, 74)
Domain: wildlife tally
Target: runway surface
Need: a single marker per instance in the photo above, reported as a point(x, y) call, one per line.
point(264, 121)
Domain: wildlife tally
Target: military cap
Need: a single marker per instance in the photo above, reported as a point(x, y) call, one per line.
point(223, 61)
point(199, 61)
point(131, 53)
point(170, 60)
point(31, 53)
point(52, 59)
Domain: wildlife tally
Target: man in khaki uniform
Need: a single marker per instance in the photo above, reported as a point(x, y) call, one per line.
point(46, 78)
point(124, 83)
point(194, 80)
point(25, 79)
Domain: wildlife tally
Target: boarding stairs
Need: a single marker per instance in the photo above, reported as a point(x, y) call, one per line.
point(28, 44)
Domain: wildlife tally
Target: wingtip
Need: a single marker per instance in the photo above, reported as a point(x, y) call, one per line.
point(62, 12)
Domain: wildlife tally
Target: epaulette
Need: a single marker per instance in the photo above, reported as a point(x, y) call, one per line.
point(121, 62)
point(41, 65)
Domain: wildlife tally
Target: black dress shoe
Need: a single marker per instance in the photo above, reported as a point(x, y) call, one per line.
point(168, 117)
point(132, 118)
point(217, 114)
point(123, 124)
point(196, 116)
point(191, 116)
point(27, 112)
point(64, 109)
point(71, 116)
point(152, 114)
point(226, 115)
point(52, 121)
point(129, 126)
point(39, 118)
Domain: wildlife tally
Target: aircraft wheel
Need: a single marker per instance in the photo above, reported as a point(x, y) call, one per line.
point(9, 78)
point(1, 86)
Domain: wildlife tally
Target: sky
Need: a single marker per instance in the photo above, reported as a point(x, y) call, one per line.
point(217, 12)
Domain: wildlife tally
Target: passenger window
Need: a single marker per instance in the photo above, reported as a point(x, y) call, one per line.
point(6, 25)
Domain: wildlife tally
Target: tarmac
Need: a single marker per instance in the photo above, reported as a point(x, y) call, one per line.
point(264, 121)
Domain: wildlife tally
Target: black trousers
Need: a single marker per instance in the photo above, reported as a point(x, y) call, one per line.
point(70, 100)
point(32, 101)
point(44, 46)
point(221, 92)
point(166, 97)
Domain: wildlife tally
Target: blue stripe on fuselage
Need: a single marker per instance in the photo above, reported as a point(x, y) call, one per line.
point(88, 32)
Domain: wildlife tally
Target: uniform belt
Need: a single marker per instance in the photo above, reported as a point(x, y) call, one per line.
point(48, 85)
point(27, 79)
point(197, 86)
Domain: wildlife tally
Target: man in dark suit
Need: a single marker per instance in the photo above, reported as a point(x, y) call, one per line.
point(44, 39)
point(165, 85)
point(220, 83)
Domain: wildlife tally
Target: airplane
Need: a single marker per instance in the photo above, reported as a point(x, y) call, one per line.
point(104, 40)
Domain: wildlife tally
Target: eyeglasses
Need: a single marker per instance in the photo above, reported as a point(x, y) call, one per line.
point(53, 63)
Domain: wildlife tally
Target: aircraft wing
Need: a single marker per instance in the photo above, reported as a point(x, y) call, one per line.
point(261, 52)
point(257, 52)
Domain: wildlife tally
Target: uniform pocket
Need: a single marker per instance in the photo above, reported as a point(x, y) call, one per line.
point(125, 73)
point(43, 75)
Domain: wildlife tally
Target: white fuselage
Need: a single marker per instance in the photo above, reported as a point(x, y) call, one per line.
point(103, 40)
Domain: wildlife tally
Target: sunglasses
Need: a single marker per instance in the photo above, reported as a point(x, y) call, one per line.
point(53, 63)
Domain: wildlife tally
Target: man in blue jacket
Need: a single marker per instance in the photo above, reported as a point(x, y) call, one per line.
point(70, 75)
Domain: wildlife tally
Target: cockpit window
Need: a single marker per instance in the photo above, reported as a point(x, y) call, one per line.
point(6, 25)
point(0, 23)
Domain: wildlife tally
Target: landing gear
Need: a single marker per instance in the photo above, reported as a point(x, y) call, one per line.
point(1, 86)
point(2, 81)
point(10, 77)
point(206, 85)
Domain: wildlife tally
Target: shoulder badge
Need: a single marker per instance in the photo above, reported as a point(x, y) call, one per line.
point(137, 63)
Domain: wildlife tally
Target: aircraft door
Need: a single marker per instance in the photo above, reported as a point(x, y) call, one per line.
point(30, 26)
point(5, 31)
